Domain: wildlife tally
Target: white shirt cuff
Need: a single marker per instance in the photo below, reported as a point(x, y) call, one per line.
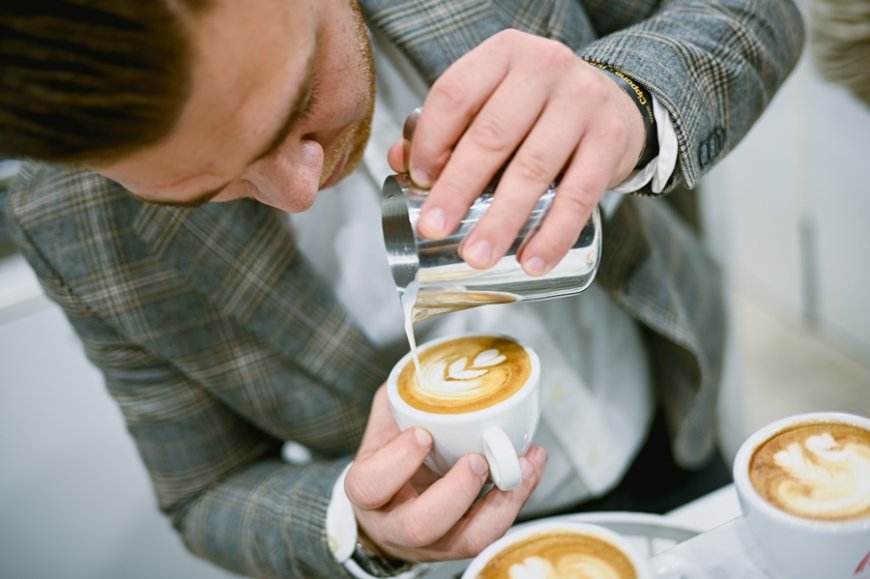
point(341, 529)
point(341, 532)
point(660, 169)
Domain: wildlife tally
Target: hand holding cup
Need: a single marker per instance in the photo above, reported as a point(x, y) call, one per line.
point(405, 511)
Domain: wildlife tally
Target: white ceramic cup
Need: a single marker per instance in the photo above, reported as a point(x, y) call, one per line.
point(534, 569)
point(796, 547)
point(501, 432)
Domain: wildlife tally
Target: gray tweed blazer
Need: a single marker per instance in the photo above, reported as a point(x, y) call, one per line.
point(218, 341)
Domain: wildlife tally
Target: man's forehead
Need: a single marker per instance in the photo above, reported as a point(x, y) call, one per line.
point(239, 37)
point(248, 67)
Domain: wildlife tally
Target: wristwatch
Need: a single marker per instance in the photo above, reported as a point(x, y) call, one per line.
point(378, 565)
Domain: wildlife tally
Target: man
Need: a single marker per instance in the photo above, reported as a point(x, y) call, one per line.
point(222, 333)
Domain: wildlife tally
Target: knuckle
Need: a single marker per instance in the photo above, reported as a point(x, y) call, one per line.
point(507, 36)
point(587, 85)
point(554, 54)
point(576, 202)
point(473, 545)
point(453, 195)
point(489, 134)
point(359, 491)
point(618, 130)
point(532, 166)
point(551, 246)
point(609, 129)
point(614, 125)
point(579, 199)
point(417, 533)
point(500, 228)
point(451, 90)
point(618, 133)
point(591, 85)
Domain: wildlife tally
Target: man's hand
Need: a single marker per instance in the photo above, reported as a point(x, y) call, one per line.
point(410, 514)
point(531, 101)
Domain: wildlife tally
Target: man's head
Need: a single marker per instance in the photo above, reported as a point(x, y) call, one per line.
point(184, 101)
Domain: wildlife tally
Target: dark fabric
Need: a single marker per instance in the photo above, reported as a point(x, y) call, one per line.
point(655, 484)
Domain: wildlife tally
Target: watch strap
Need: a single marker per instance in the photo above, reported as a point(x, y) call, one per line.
point(375, 565)
point(642, 99)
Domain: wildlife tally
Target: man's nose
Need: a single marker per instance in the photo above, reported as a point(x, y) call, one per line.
point(289, 177)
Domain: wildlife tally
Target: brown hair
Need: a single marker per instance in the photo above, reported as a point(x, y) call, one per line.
point(840, 43)
point(91, 79)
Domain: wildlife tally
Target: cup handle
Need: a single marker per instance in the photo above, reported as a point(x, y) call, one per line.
point(504, 464)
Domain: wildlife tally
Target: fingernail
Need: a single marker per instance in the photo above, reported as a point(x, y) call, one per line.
point(535, 266)
point(434, 220)
point(479, 253)
point(527, 469)
point(422, 437)
point(421, 178)
point(478, 464)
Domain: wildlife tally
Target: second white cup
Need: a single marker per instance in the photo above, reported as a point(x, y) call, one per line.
point(804, 488)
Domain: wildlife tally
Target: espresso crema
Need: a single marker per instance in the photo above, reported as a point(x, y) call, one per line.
point(815, 470)
point(560, 555)
point(465, 374)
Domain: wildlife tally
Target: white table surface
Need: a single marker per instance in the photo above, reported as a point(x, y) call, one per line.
point(724, 549)
point(709, 511)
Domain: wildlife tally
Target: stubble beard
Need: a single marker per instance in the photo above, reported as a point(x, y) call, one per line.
point(360, 137)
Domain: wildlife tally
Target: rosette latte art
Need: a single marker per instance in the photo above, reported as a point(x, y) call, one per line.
point(560, 555)
point(465, 374)
point(816, 470)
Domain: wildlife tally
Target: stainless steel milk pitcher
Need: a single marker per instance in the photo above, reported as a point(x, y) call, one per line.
point(445, 283)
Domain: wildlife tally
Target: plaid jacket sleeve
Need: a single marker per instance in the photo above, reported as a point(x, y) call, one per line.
point(714, 66)
point(207, 398)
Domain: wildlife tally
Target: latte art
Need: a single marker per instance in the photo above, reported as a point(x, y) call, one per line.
point(816, 470)
point(465, 374)
point(560, 555)
point(460, 378)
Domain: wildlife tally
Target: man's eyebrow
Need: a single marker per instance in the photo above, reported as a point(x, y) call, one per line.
point(300, 104)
